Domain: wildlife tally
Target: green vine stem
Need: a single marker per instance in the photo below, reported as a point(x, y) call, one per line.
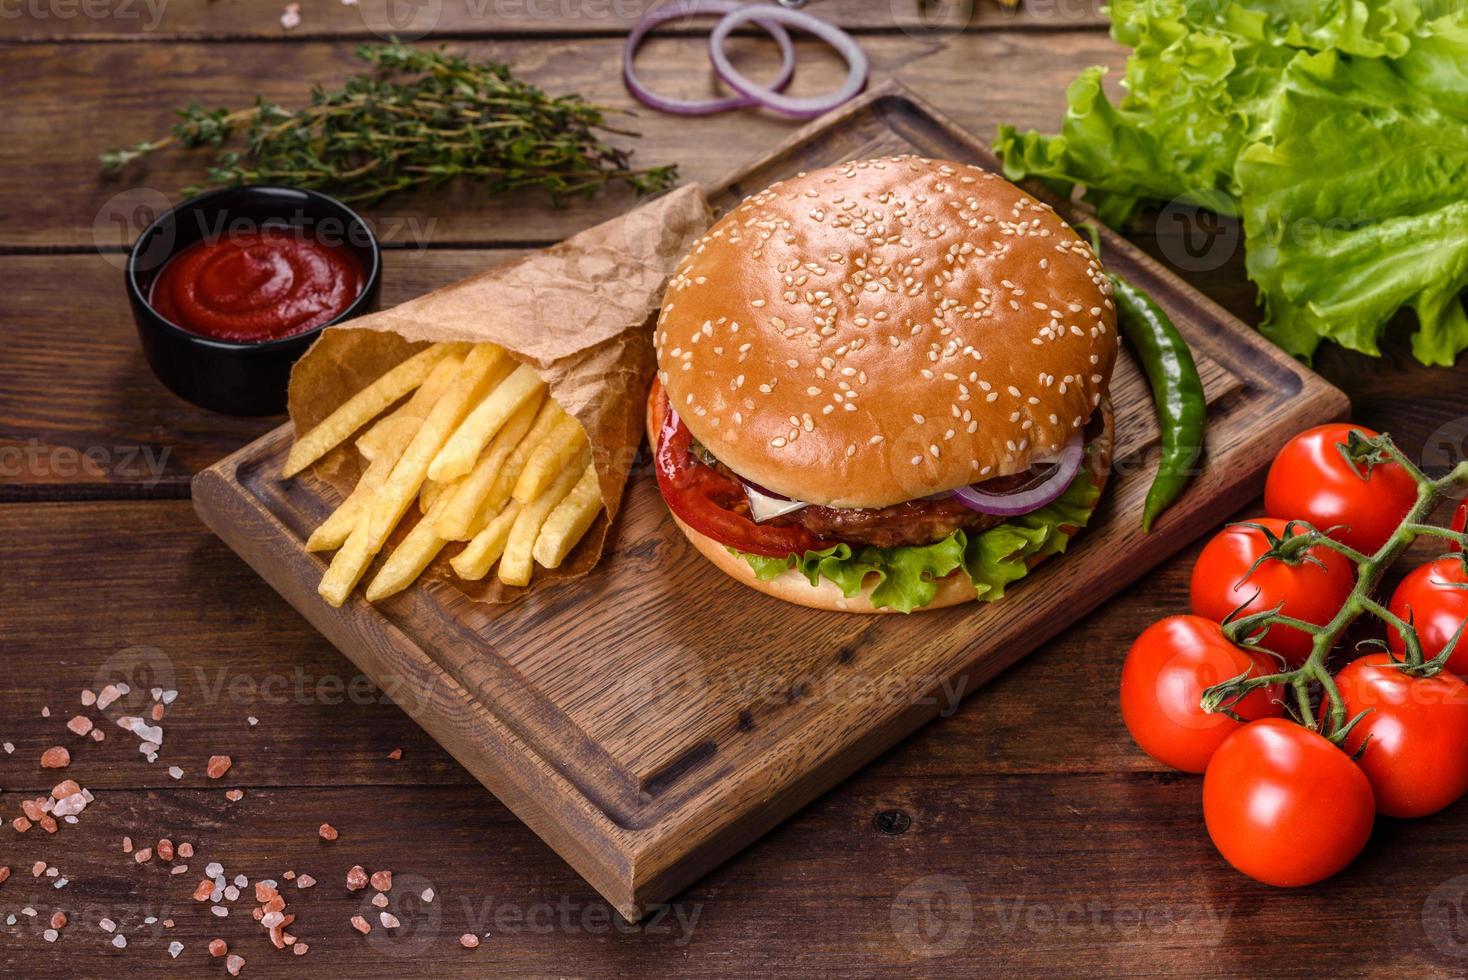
point(1245, 631)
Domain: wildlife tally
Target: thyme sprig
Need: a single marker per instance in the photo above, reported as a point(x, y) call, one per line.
point(419, 118)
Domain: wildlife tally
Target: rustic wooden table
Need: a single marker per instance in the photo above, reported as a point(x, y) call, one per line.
point(1024, 834)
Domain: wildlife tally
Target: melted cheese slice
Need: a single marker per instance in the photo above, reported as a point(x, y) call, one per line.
point(762, 506)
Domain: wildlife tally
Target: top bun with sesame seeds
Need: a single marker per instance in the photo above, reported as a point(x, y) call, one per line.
point(884, 330)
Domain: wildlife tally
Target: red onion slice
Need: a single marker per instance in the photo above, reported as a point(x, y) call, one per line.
point(751, 485)
point(1031, 497)
point(701, 8)
point(799, 108)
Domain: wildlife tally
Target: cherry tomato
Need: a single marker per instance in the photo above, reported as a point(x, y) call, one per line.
point(1285, 806)
point(1417, 755)
point(1163, 679)
point(1222, 581)
point(1310, 481)
point(1460, 522)
point(1434, 599)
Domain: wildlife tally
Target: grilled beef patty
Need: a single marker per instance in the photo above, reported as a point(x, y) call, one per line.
point(911, 523)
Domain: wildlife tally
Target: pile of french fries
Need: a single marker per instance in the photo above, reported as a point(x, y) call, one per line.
point(488, 455)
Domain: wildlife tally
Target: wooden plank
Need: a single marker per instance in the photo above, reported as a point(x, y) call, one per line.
point(644, 786)
point(77, 382)
point(141, 593)
point(156, 20)
point(234, 649)
point(972, 888)
point(68, 103)
point(994, 794)
point(81, 413)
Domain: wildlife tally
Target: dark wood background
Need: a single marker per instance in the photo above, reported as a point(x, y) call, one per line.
point(1023, 834)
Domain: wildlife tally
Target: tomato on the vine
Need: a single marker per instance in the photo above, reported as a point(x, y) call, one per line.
point(1310, 480)
point(1434, 599)
point(1460, 522)
point(1285, 806)
point(1166, 671)
point(1416, 734)
point(1232, 571)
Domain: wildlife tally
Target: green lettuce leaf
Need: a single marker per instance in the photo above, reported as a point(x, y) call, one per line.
point(1297, 115)
point(1338, 249)
point(907, 578)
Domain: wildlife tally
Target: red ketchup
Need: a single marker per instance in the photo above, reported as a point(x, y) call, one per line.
point(257, 286)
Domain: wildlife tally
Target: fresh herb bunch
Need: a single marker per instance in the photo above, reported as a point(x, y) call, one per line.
point(421, 118)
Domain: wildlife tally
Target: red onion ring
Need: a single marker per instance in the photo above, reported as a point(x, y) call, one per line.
point(751, 485)
point(1031, 497)
point(799, 108)
point(696, 8)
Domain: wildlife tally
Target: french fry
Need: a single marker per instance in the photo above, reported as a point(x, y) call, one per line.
point(485, 548)
point(429, 495)
point(390, 436)
point(569, 521)
point(461, 510)
point(392, 433)
point(347, 565)
point(393, 498)
point(383, 432)
point(516, 562)
point(334, 530)
point(458, 455)
point(364, 406)
point(545, 421)
point(409, 558)
point(564, 444)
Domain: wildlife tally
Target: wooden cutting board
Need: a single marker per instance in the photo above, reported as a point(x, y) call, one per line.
point(653, 718)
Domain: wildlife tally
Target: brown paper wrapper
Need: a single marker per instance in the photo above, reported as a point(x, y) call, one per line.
point(580, 312)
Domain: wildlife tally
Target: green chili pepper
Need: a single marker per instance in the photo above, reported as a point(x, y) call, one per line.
point(1176, 389)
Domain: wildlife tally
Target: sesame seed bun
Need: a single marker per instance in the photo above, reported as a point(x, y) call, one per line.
point(795, 587)
point(886, 329)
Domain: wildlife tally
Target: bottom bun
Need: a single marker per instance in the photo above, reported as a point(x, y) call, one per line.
point(825, 594)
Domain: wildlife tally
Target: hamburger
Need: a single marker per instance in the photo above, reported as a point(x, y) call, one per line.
point(882, 386)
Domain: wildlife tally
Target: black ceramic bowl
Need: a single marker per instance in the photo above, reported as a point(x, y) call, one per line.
point(239, 378)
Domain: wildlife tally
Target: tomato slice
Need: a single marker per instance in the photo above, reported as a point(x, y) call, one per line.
point(710, 502)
